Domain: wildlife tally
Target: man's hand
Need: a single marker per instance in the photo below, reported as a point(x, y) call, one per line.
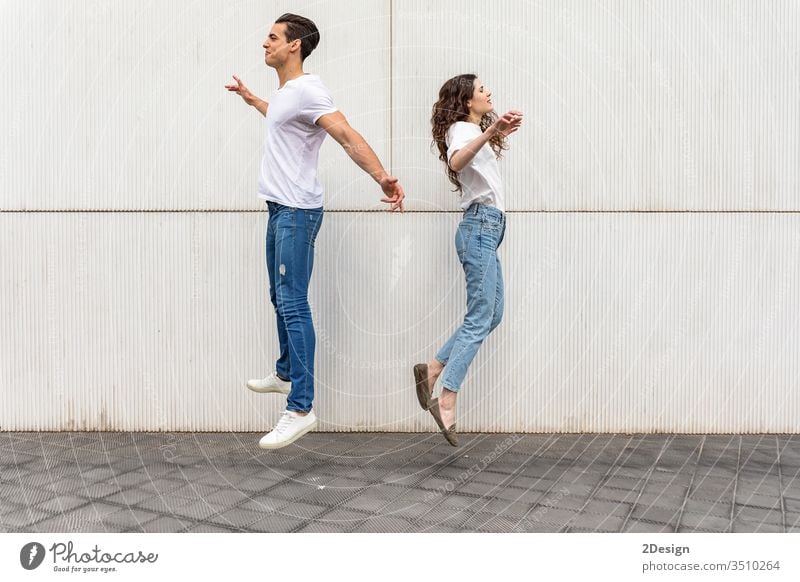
point(394, 193)
point(242, 91)
point(359, 151)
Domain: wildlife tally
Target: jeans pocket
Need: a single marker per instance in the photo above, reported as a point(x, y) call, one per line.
point(492, 221)
point(490, 236)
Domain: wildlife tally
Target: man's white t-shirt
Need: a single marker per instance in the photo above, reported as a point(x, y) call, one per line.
point(292, 141)
point(480, 179)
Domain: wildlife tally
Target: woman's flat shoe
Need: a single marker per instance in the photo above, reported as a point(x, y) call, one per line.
point(424, 391)
point(449, 433)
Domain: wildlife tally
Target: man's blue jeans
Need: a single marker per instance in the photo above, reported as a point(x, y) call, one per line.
point(477, 239)
point(291, 233)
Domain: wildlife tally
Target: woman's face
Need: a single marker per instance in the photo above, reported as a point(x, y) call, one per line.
point(481, 102)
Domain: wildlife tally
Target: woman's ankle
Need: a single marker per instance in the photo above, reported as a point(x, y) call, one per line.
point(435, 368)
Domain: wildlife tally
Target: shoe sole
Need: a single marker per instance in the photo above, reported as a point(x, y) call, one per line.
point(282, 444)
point(423, 390)
point(266, 391)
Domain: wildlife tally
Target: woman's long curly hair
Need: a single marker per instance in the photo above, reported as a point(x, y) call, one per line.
point(452, 107)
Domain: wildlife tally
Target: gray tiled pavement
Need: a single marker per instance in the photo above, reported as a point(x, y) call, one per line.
point(389, 482)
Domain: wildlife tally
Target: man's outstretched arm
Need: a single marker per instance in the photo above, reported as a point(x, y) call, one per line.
point(362, 154)
point(243, 92)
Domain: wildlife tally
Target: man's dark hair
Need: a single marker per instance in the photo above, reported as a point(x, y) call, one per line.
point(302, 28)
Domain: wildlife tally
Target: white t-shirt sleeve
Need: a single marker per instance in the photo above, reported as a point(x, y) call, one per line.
point(315, 103)
point(459, 135)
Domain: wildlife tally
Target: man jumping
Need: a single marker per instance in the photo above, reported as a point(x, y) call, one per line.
point(298, 117)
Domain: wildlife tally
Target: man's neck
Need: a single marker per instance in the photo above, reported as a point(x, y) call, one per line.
point(289, 73)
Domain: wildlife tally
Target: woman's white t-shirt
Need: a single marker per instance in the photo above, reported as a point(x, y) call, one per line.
point(480, 179)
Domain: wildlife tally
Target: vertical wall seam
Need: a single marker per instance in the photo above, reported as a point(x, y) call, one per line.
point(391, 87)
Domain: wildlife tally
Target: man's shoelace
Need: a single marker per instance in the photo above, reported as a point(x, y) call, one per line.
point(284, 422)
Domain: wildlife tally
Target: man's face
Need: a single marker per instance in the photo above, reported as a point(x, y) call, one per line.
point(276, 49)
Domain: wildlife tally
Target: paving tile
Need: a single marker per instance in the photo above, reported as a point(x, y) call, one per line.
point(637, 526)
point(616, 509)
point(160, 486)
point(229, 497)
point(62, 503)
point(622, 482)
point(365, 502)
point(703, 521)
point(757, 514)
point(322, 527)
point(656, 513)
point(237, 517)
point(657, 498)
point(128, 518)
point(555, 516)
point(792, 504)
point(130, 497)
point(492, 524)
point(619, 495)
point(319, 496)
point(537, 527)
point(384, 525)
point(166, 525)
point(23, 517)
point(719, 508)
point(265, 503)
point(69, 524)
point(98, 490)
point(65, 485)
point(163, 504)
point(408, 509)
point(208, 528)
point(294, 491)
point(259, 482)
point(199, 510)
point(598, 523)
point(792, 521)
point(441, 515)
point(762, 501)
point(132, 478)
point(276, 523)
point(756, 527)
point(302, 511)
point(344, 518)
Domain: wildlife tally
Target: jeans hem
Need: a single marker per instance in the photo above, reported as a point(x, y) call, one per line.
point(298, 409)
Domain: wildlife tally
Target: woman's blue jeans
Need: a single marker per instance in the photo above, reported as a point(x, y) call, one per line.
point(477, 239)
point(291, 233)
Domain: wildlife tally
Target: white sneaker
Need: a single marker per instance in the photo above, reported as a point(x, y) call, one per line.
point(291, 426)
point(270, 384)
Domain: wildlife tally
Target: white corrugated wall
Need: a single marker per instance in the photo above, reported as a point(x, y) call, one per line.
point(653, 245)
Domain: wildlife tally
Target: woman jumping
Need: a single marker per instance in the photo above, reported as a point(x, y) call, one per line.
point(470, 138)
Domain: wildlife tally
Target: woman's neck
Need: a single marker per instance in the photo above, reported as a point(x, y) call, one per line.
point(474, 118)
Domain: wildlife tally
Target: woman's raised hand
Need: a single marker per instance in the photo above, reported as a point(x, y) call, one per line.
point(507, 124)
